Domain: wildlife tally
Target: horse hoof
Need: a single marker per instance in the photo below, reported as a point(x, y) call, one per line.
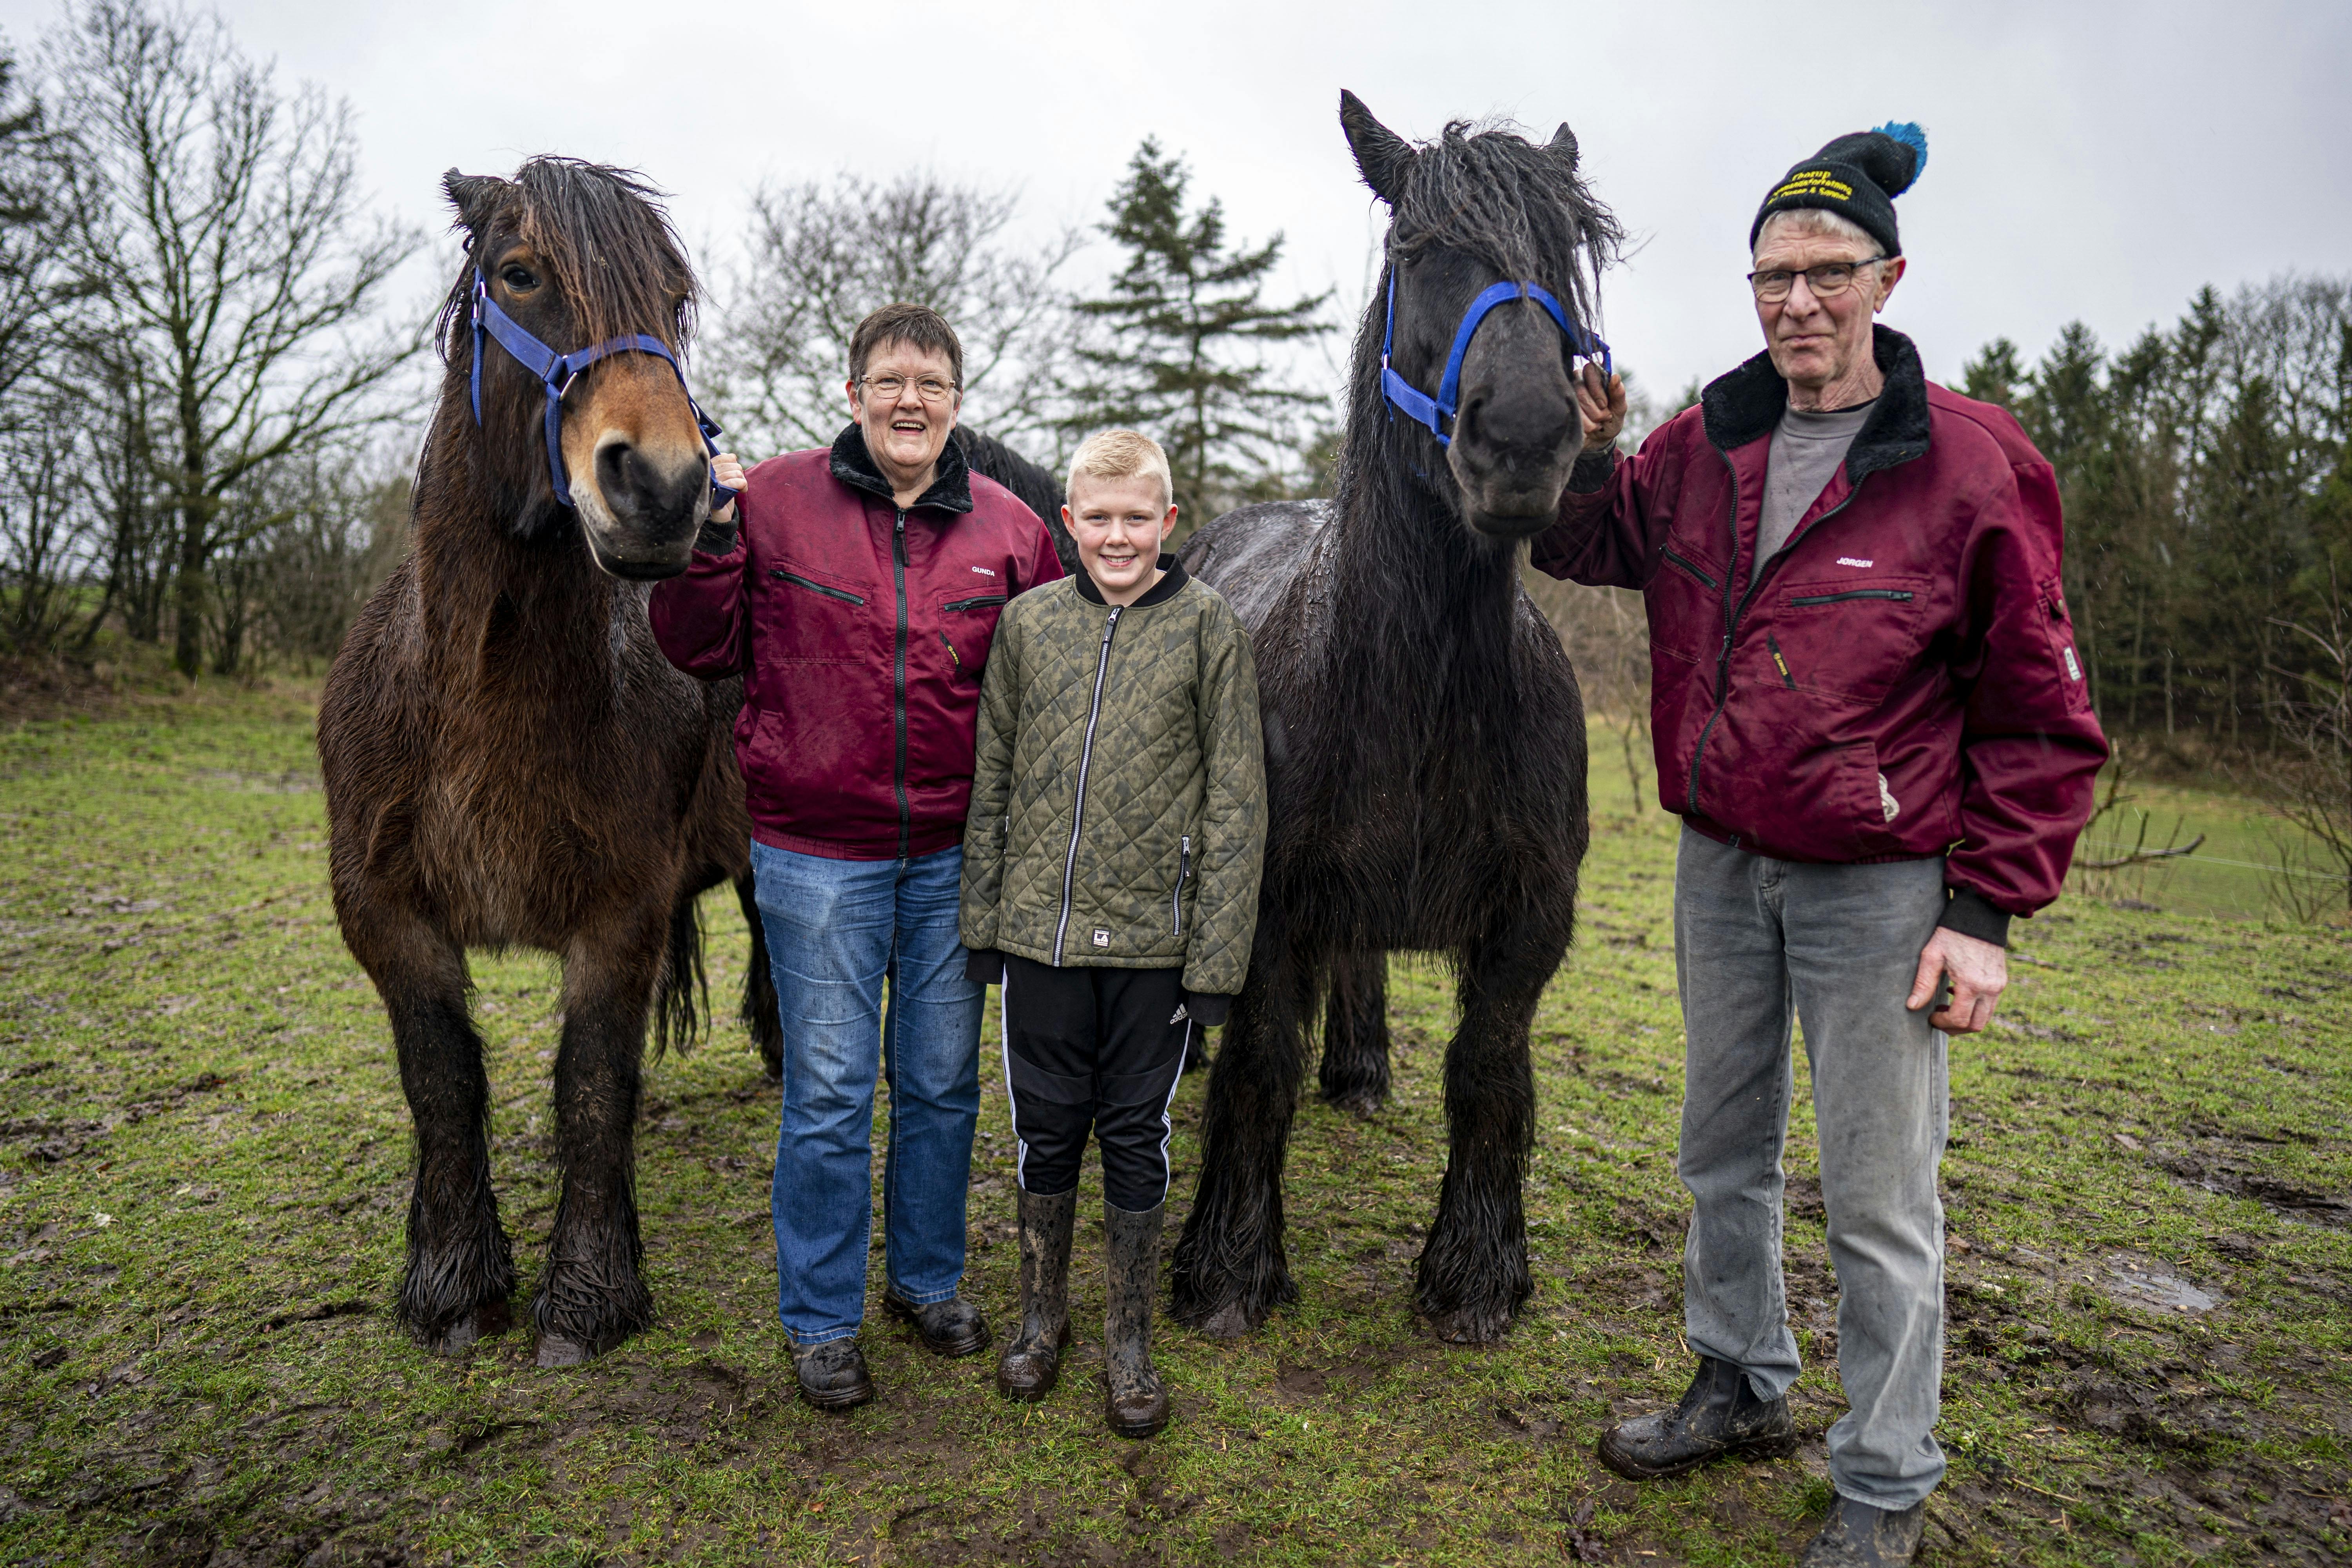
point(1361, 1104)
point(1469, 1326)
point(487, 1321)
point(562, 1350)
point(1230, 1322)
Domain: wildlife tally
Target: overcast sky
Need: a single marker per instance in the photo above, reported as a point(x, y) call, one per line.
point(2086, 160)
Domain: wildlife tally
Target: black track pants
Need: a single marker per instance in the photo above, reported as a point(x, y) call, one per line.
point(1100, 1049)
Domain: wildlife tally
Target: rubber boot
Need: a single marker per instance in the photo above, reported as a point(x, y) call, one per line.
point(1135, 1405)
point(1031, 1363)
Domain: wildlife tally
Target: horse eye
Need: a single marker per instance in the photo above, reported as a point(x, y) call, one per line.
point(519, 278)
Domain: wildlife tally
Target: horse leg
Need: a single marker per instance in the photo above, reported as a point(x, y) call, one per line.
point(1355, 1076)
point(460, 1265)
point(591, 1297)
point(1229, 1270)
point(1473, 1273)
point(760, 1015)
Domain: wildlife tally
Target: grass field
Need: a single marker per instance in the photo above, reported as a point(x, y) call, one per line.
point(202, 1178)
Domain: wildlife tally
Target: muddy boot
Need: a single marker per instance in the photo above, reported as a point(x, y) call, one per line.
point(832, 1375)
point(1861, 1536)
point(1719, 1416)
point(1135, 1404)
point(1031, 1363)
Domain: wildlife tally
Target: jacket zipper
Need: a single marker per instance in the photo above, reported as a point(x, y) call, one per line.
point(1687, 566)
point(973, 603)
point(1732, 609)
point(797, 581)
point(1773, 643)
point(1086, 760)
point(1851, 593)
point(898, 706)
point(1183, 869)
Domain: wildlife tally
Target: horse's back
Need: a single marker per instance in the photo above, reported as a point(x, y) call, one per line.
point(1251, 552)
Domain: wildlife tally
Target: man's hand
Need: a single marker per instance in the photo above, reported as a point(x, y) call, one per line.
point(1979, 972)
point(727, 469)
point(1602, 407)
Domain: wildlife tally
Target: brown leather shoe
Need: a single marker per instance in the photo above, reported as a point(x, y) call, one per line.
point(1031, 1363)
point(1135, 1402)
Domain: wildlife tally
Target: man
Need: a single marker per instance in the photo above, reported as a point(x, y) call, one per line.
point(1870, 714)
point(858, 601)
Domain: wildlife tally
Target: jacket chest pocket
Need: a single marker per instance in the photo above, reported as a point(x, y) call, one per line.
point(966, 630)
point(1852, 637)
point(815, 617)
point(1686, 603)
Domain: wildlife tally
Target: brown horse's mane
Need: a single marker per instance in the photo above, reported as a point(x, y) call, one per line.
point(605, 235)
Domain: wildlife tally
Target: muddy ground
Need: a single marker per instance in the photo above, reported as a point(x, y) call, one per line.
point(202, 1177)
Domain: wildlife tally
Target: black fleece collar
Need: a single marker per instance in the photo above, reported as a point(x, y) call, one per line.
point(1160, 593)
point(1745, 406)
point(854, 466)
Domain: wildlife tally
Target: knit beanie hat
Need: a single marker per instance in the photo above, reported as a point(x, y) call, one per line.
point(1857, 177)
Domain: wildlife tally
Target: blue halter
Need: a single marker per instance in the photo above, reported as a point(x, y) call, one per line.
point(557, 372)
point(1429, 410)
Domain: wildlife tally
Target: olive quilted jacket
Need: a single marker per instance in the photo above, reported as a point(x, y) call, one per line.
point(1118, 797)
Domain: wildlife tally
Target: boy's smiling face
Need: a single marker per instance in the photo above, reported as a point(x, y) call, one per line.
point(1120, 525)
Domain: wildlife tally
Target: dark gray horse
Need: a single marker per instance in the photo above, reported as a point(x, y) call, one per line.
point(1424, 736)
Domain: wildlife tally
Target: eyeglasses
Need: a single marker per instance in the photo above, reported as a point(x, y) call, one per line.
point(1827, 281)
point(890, 388)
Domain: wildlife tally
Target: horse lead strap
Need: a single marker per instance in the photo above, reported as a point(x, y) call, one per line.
point(1430, 411)
point(557, 371)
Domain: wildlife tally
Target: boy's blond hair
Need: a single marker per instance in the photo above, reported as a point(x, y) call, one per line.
point(1122, 454)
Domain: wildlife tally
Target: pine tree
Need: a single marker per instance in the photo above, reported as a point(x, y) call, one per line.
point(1187, 325)
point(1995, 375)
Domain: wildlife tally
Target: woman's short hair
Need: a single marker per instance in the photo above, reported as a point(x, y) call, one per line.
point(917, 326)
point(1122, 454)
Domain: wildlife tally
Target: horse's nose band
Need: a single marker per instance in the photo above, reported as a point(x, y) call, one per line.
point(557, 372)
point(1437, 412)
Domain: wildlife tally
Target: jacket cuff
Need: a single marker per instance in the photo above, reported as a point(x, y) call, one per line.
point(1972, 914)
point(1593, 470)
point(717, 538)
point(985, 965)
point(1207, 1008)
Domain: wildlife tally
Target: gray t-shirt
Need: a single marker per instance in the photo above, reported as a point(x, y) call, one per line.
point(1806, 451)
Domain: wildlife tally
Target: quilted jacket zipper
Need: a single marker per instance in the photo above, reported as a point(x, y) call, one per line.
point(898, 703)
point(1183, 867)
point(1086, 760)
point(797, 581)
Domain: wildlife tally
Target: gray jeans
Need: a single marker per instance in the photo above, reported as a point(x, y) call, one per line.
point(1758, 943)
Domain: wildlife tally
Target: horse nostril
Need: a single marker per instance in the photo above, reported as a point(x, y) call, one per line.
point(616, 475)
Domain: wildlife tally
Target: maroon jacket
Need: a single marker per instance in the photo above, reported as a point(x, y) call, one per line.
point(1901, 681)
point(860, 632)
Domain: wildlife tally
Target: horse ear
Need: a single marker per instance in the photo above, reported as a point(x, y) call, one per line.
point(1563, 143)
point(474, 197)
point(1382, 156)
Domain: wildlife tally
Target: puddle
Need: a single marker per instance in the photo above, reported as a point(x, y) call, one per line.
point(2146, 1285)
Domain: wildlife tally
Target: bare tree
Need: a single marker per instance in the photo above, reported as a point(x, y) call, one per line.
point(2309, 774)
point(218, 222)
point(824, 255)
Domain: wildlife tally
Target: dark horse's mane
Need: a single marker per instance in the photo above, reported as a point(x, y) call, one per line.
point(606, 235)
point(1038, 489)
point(1516, 205)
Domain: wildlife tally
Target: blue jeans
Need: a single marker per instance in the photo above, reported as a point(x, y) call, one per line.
point(836, 929)
point(1758, 943)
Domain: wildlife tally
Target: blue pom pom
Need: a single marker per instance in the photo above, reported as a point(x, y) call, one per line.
point(1907, 132)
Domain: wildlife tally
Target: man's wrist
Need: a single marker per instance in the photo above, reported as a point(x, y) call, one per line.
point(1972, 914)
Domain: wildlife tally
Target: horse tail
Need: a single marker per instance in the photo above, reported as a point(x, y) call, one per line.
point(682, 994)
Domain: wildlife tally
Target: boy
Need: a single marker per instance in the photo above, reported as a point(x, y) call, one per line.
point(1110, 880)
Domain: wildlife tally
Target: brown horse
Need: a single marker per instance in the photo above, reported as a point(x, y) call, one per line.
point(510, 759)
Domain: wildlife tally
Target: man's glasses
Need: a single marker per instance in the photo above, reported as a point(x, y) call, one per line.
point(1826, 281)
point(890, 388)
